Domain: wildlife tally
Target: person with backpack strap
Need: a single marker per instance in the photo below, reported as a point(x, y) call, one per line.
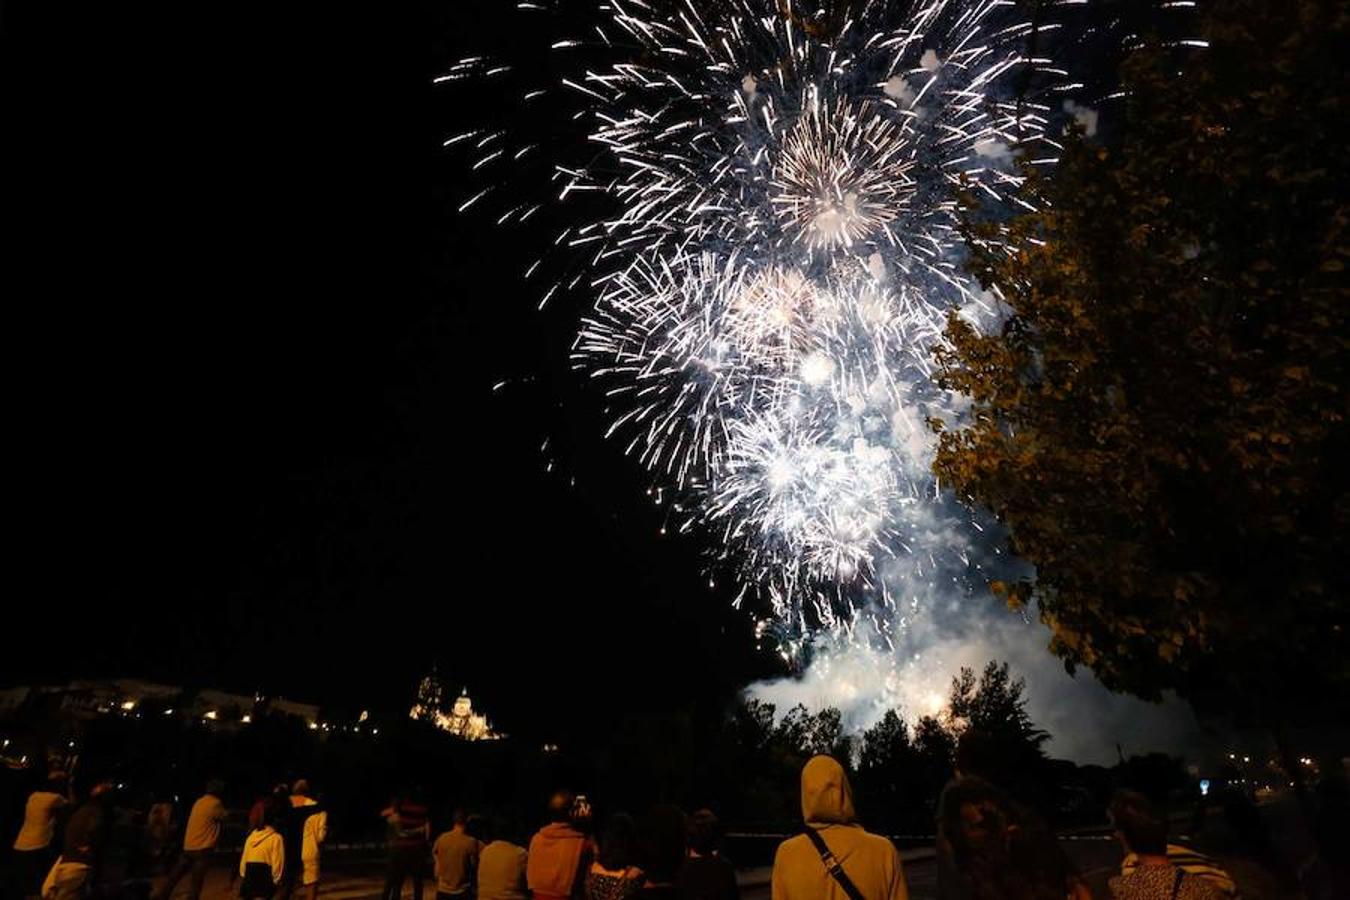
point(1142, 830)
point(836, 858)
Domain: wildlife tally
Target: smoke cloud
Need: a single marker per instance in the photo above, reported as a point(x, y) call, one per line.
point(1087, 722)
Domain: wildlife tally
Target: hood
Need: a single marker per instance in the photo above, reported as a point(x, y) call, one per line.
point(559, 831)
point(827, 798)
point(261, 834)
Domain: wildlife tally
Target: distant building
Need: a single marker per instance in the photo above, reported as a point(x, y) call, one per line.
point(460, 721)
point(429, 694)
point(11, 699)
point(307, 711)
point(221, 706)
point(86, 699)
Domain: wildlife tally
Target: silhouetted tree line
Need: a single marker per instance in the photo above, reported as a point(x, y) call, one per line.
point(743, 761)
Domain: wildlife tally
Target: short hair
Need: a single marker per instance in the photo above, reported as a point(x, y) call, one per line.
point(1138, 821)
point(663, 836)
point(301, 787)
point(271, 812)
point(618, 842)
point(560, 806)
point(705, 832)
point(504, 827)
point(478, 827)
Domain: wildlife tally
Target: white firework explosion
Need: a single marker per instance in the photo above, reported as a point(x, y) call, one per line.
point(778, 262)
point(842, 176)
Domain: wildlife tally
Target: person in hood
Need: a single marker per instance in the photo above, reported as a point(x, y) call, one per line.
point(560, 853)
point(868, 860)
point(264, 858)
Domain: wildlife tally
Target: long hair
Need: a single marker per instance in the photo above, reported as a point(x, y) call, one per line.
point(618, 842)
point(1002, 851)
point(663, 843)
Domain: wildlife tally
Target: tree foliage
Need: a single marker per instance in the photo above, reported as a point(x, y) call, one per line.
point(1161, 420)
point(996, 705)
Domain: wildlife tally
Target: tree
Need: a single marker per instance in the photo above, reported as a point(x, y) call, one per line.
point(934, 753)
point(794, 729)
point(886, 746)
point(826, 735)
point(1161, 420)
point(996, 705)
point(888, 775)
point(998, 740)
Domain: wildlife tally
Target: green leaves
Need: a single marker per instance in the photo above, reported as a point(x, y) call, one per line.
point(1161, 424)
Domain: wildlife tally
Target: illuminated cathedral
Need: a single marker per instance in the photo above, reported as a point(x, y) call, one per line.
point(461, 720)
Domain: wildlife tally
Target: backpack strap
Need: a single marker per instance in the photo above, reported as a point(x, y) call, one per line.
point(1176, 883)
point(832, 865)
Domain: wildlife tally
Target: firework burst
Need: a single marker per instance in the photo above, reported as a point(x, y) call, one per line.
point(778, 260)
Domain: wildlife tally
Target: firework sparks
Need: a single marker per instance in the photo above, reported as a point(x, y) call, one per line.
point(778, 262)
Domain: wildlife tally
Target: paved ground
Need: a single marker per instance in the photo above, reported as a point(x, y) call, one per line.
point(1098, 860)
point(363, 881)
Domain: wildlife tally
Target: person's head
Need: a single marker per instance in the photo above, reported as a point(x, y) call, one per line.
point(478, 827)
point(827, 798)
point(618, 842)
point(1001, 855)
point(705, 833)
point(581, 816)
point(300, 788)
point(281, 791)
point(272, 811)
point(976, 818)
point(215, 787)
point(102, 791)
point(459, 819)
point(506, 828)
point(560, 806)
point(1138, 823)
point(57, 781)
point(663, 851)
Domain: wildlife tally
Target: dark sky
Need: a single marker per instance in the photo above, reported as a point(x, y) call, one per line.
point(252, 356)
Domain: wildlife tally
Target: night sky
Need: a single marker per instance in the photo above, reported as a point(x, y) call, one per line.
point(255, 441)
point(256, 444)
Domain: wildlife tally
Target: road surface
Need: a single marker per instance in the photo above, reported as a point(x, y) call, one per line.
point(362, 879)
